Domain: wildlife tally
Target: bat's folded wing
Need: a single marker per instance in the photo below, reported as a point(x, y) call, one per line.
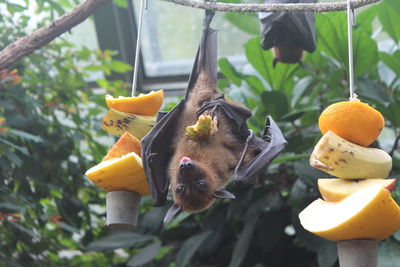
point(157, 151)
point(268, 147)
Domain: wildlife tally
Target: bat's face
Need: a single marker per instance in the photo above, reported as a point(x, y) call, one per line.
point(195, 186)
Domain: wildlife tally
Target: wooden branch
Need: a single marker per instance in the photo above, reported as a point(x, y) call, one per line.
point(251, 8)
point(25, 45)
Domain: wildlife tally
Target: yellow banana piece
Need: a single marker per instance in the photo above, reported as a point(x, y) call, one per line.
point(343, 159)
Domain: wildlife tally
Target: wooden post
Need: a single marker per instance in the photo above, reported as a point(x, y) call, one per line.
point(122, 209)
point(358, 253)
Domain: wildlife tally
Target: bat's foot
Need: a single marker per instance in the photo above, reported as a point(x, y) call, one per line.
point(204, 129)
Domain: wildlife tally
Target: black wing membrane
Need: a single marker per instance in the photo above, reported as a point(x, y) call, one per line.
point(157, 149)
point(279, 28)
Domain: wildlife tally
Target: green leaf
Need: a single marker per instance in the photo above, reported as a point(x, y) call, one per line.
point(21, 149)
point(255, 83)
point(388, 255)
point(246, 22)
point(392, 113)
point(189, 247)
point(121, 3)
point(372, 90)
point(331, 31)
point(228, 70)
point(391, 60)
point(243, 243)
point(145, 255)
point(25, 135)
point(275, 103)
point(102, 83)
point(327, 254)
point(332, 36)
point(14, 158)
point(120, 239)
point(280, 77)
point(11, 207)
point(390, 19)
point(119, 66)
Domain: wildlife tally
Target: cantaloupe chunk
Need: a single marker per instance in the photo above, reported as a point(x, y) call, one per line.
point(332, 189)
point(120, 174)
point(368, 213)
point(125, 144)
point(147, 104)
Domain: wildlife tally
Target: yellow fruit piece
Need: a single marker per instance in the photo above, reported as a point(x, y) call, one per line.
point(204, 128)
point(346, 160)
point(332, 189)
point(354, 121)
point(369, 213)
point(120, 174)
point(125, 144)
point(147, 104)
point(117, 123)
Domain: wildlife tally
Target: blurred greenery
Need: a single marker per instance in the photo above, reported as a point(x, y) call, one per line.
point(49, 136)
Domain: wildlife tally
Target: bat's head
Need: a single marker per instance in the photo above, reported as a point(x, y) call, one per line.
point(195, 189)
point(287, 54)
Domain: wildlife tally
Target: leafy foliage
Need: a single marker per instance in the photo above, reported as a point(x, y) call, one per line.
point(49, 136)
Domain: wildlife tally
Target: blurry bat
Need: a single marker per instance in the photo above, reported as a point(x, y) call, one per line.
point(197, 170)
point(288, 34)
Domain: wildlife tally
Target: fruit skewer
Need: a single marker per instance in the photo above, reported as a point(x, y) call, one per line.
point(121, 172)
point(358, 210)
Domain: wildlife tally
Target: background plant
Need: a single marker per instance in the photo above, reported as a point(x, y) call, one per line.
point(49, 136)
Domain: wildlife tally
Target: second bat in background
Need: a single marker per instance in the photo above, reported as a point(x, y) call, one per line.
point(288, 34)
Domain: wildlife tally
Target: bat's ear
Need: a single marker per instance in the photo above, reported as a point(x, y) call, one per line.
point(223, 194)
point(274, 62)
point(172, 211)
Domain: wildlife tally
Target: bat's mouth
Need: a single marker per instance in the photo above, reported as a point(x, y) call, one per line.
point(185, 159)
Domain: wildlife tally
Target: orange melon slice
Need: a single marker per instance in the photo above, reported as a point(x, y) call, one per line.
point(125, 144)
point(147, 104)
point(120, 174)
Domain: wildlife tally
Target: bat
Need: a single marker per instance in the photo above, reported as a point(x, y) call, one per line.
point(288, 34)
point(196, 171)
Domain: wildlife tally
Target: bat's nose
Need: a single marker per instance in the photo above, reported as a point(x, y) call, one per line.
point(186, 165)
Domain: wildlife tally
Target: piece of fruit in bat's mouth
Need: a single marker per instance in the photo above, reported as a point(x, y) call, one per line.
point(204, 129)
point(144, 104)
point(120, 174)
point(369, 213)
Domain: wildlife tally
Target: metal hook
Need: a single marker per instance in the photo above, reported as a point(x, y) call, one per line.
point(350, 23)
point(143, 5)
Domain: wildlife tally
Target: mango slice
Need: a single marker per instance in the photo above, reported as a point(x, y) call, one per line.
point(147, 104)
point(369, 213)
point(337, 189)
point(125, 144)
point(120, 174)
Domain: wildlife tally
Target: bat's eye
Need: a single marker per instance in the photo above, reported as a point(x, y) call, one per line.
point(201, 185)
point(180, 189)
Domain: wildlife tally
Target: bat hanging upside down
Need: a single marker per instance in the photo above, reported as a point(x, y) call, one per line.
point(195, 148)
point(203, 163)
point(288, 34)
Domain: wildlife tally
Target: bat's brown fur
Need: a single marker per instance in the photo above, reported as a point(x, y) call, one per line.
point(216, 157)
point(288, 54)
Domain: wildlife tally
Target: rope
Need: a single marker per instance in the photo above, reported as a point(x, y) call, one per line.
point(265, 7)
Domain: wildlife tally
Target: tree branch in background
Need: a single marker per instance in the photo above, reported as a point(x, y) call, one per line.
point(251, 8)
point(25, 45)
